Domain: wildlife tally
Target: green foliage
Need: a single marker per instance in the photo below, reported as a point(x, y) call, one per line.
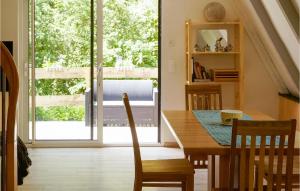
point(130, 33)
point(62, 33)
point(60, 113)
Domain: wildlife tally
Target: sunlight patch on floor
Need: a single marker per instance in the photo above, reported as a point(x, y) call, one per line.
point(76, 130)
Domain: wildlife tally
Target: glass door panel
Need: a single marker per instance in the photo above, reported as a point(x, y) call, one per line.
point(130, 64)
point(62, 68)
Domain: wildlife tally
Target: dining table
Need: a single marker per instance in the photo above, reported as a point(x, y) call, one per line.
point(195, 140)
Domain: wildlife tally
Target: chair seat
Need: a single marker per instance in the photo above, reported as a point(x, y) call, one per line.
point(169, 168)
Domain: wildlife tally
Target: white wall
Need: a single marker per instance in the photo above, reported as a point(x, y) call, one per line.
point(9, 21)
point(260, 91)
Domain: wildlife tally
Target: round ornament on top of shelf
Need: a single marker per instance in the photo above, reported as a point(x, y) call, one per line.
point(214, 12)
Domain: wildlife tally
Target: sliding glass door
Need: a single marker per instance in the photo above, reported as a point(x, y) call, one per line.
point(83, 55)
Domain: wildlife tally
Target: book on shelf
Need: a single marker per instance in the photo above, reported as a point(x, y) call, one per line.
point(199, 72)
point(225, 74)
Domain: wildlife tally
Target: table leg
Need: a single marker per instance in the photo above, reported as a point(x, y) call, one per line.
point(213, 168)
point(218, 171)
point(209, 174)
point(224, 171)
point(190, 183)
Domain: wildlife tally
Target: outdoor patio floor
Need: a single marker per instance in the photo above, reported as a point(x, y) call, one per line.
point(76, 130)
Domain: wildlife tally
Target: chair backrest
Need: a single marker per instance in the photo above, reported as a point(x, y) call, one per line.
point(9, 76)
point(264, 142)
point(203, 96)
point(136, 147)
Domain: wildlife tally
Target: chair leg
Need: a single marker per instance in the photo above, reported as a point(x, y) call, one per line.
point(183, 185)
point(256, 178)
point(186, 156)
point(213, 169)
point(137, 186)
point(190, 183)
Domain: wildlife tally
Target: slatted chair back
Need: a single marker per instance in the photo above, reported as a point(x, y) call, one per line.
point(262, 140)
point(9, 76)
point(203, 96)
point(136, 147)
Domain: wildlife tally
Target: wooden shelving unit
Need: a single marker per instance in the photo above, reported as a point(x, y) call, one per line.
point(218, 61)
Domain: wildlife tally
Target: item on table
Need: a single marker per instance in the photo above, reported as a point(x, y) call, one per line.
point(228, 115)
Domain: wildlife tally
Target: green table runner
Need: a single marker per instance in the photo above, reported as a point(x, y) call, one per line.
point(211, 121)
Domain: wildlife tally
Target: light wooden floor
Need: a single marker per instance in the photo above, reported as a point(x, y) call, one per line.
point(95, 169)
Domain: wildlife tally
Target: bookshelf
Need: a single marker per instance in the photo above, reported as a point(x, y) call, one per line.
point(223, 66)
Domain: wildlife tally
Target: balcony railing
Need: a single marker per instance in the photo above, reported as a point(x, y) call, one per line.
point(84, 72)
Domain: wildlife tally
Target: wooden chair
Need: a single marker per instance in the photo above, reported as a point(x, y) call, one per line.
point(276, 138)
point(295, 180)
point(9, 96)
point(158, 173)
point(203, 96)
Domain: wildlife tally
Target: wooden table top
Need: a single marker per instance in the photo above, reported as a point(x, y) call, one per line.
point(194, 139)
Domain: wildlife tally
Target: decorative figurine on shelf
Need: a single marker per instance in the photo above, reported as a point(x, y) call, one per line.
point(218, 45)
point(196, 48)
point(228, 48)
point(206, 48)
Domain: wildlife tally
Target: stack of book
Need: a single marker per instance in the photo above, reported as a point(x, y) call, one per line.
point(199, 73)
point(225, 75)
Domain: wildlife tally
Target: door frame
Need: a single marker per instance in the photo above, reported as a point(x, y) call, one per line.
point(23, 118)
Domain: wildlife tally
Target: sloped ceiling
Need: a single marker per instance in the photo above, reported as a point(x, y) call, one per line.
point(291, 12)
point(280, 28)
point(296, 4)
point(282, 67)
